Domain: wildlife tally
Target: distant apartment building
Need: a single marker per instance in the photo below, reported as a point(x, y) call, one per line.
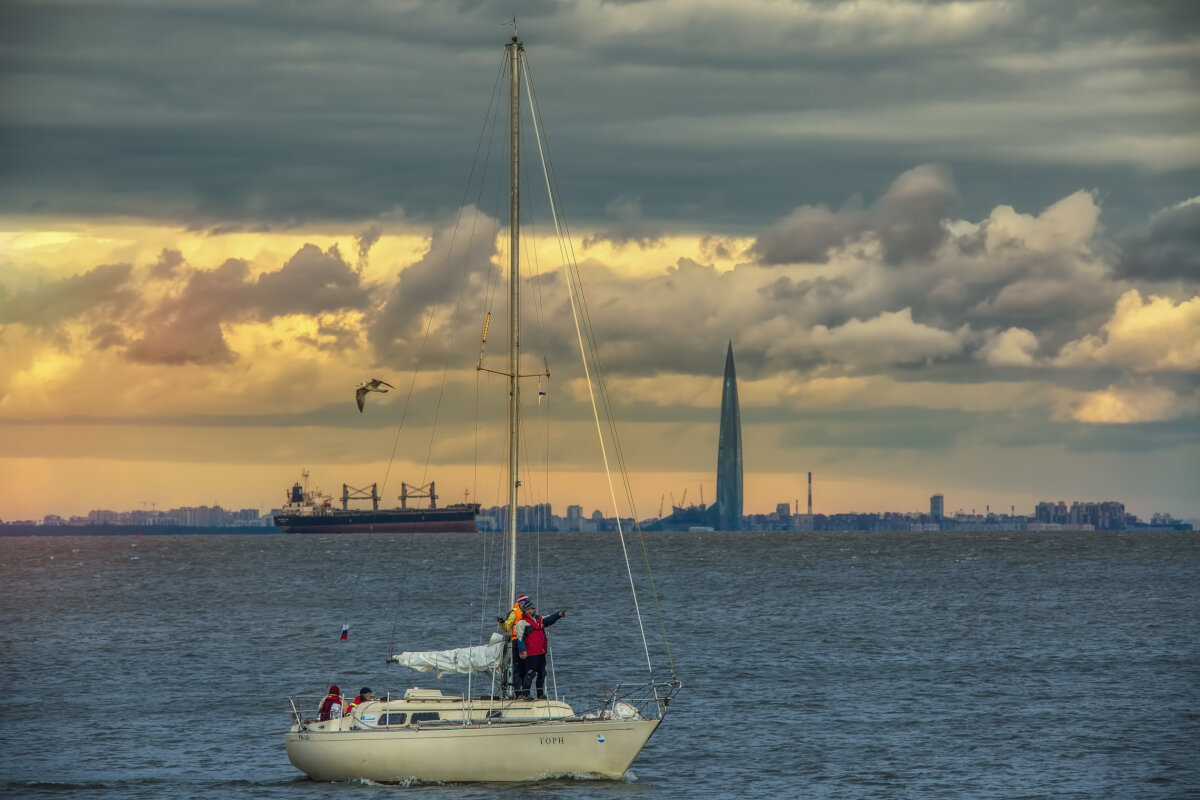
point(1108, 515)
point(534, 518)
point(201, 516)
point(574, 519)
point(937, 506)
point(1053, 513)
point(246, 517)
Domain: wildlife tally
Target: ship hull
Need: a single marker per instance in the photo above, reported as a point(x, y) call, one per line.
point(441, 520)
point(506, 752)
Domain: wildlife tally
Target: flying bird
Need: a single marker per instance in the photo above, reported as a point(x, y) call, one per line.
point(372, 385)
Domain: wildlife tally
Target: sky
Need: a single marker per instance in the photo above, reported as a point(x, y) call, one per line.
point(955, 247)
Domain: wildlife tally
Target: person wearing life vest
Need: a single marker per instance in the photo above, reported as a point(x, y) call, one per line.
point(331, 706)
point(364, 694)
point(508, 625)
point(531, 638)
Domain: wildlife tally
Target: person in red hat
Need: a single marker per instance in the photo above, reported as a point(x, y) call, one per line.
point(331, 706)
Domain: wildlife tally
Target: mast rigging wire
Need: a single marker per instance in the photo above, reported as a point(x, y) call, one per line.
point(574, 288)
point(571, 267)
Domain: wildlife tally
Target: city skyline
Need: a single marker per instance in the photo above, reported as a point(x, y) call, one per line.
point(953, 245)
point(1047, 511)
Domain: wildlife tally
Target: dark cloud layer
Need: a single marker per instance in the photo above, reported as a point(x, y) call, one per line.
point(245, 115)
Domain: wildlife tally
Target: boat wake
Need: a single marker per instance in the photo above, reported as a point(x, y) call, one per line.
point(559, 777)
point(404, 784)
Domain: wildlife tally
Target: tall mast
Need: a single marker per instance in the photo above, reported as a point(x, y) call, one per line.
point(514, 276)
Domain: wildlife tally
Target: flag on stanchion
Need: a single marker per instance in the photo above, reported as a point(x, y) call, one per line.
point(345, 632)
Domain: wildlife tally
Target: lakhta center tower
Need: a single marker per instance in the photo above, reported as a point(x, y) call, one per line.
point(729, 453)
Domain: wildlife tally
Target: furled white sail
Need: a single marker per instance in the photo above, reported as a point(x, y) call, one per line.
point(480, 658)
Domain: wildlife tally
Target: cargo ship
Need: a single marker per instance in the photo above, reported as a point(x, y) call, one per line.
point(314, 512)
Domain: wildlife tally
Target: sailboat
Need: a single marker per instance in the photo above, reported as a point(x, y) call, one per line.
point(427, 735)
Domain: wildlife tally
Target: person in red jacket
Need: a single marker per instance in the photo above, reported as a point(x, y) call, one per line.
point(531, 639)
point(331, 706)
point(364, 694)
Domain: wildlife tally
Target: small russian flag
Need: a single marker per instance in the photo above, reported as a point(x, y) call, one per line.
point(345, 632)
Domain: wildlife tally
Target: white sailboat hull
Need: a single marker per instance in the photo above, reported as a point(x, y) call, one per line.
point(602, 748)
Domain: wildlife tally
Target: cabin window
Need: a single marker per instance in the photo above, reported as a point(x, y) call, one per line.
point(426, 716)
point(392, 719)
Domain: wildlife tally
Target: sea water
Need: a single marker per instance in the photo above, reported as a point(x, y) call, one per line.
point(827, 665)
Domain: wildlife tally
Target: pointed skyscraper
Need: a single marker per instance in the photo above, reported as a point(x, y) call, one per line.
point(729, 453)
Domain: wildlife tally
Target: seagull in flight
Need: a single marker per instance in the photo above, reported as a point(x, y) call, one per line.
point(372, 385)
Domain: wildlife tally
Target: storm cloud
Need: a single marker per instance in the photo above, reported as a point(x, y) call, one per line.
point(246, 115)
